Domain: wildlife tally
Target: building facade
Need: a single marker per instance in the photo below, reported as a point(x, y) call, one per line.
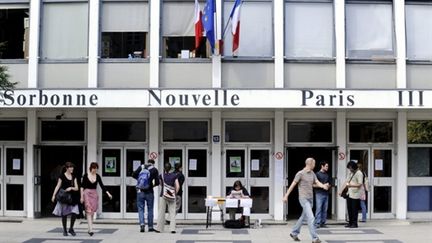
point(120, 81)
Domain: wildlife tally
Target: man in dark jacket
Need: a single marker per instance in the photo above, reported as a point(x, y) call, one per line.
point(146, 196)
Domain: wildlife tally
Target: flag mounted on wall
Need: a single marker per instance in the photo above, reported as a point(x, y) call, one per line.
point(198, 25)
point(208, 22)
point(235, 26)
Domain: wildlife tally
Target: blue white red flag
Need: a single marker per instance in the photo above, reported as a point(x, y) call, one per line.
point(208, 22)
point(235, 26)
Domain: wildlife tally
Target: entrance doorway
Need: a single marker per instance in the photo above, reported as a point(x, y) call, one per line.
point(296, 162)
point(194, 160)
point(12, 181)
point(117, 166)
point(48, 167)
point(378, 165)
point(251, 165)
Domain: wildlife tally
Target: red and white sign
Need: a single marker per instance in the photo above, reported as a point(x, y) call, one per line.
point(153, 155)
point(341, 156)
point(279, 155)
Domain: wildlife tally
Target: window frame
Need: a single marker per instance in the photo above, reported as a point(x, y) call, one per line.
point(408, 59)
point(25, 130)
point(270, 121)
point(62, 141)
point(287, 143)
point(369, 121)
point(162, 142)
point(101, 120)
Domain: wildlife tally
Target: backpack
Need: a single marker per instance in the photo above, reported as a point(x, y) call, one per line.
point(168, 191)
point(143, 181)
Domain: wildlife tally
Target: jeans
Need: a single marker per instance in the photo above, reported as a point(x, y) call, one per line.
point(142, 199)
point(363, 209)
point(321, 205)
point(307, 212)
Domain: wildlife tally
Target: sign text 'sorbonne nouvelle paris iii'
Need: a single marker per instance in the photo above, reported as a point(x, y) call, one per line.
point(216, 98)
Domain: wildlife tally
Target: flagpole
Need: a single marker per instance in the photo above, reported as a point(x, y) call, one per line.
point(225, 29)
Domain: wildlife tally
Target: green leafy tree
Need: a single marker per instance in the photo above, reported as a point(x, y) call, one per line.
point(420, 132)
point(4, 79)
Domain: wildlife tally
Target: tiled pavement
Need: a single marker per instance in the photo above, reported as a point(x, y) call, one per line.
point(49, 231)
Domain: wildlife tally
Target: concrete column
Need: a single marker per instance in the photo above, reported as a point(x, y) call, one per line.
point(153, 130)
point(92, 128)
point(341, 134)
point(154, 42)
point(399, 18)
point(35, 7)
point(217, 58)
point(31, 141)
point(278, 9)
point(93, 43)
point(278, 181)
point(401, 167)
point(339, 8)
point(216, 156)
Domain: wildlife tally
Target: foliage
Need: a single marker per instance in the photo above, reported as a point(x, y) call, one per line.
point(4, 79)
point(420, 132)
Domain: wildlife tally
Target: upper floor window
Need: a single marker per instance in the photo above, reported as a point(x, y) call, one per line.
point(14, 31)
point(256, 29)
point(12, 130)
point(310, 132)
point(309, 29)
point(185, 131)
point(178, 31)
point(123, 131)
point(62, 131)
point(370, 132)
point(125, 28)
point(369, 30)
point(418, 31)
point(64, 30)
point(248, 131)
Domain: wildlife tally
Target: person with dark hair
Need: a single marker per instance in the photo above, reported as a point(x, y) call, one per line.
point(364, 189)
point(146, 195)
point(169, 189)
point(89, 195)
point(321, 195)
point(354, 182)
point(237, 191)
point(181, 179)
point(67, 182)
point(306, 180)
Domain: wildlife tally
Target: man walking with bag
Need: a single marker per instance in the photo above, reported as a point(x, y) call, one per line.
point(305, 179)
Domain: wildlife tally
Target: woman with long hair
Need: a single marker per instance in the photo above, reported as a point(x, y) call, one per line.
point(68, 182)
point(89, 195)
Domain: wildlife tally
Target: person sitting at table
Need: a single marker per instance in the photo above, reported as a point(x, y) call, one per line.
point(237, 192)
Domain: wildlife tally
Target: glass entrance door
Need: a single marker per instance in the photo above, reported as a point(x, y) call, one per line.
point(12, 181)
point(117, 165)
point(378, 165)
point(250, 165)
point(194, 162)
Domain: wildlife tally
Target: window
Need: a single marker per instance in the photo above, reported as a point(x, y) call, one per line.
point(12, 130)
point(370, 132)
point(418, 31)
point(307, 37)
point(256, 29)
point(419, 135)
point(185, 131)
point(178, 31)
point(310, 132)
point(247, 131)
point(419, 198)
point(64, 30)
point(125, 27)
point(123, 131)
point(63, 131)
point(369, 30)
point(14, 33)
point(419, 132)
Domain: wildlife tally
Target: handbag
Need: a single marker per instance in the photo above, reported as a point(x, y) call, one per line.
point(64, 197)
point(344, 192)
point(168, 191)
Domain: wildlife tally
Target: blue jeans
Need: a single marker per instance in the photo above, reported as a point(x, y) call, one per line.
point(321, 205)
point(363, 209)
point(142, 199)
point(307, 212)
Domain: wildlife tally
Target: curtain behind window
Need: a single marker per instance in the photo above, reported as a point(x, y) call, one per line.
point(309, 30)
point(125, 17)
point(419, 32)
point(178, 18)
point(369, 30)
point(64, 30)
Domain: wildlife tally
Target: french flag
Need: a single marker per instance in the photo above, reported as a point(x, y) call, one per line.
point(198, 25)
point(235, 26)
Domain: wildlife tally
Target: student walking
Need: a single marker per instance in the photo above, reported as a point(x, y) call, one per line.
point(305, 179)
point(147, 178)
point(89, 195)
point(66, 185)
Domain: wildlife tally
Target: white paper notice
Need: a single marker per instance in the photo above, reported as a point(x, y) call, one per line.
point(246, 211)
point(136, 164)
point(231, 203)
point(255, 165)
point(379, 164)
point(246, 203)
point(16, 164)
point(193, 164)
point(184, 54)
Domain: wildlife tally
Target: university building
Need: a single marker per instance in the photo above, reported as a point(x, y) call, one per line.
point(120, 81)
